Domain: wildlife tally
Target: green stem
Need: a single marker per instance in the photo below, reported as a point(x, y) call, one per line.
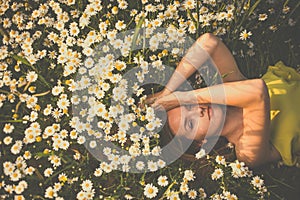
point(282, 183)
point(4, 91)
point(26, 62)
point(12, 121)
point(135, 36)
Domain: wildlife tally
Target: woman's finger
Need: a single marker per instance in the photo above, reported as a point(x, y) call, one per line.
point(150, 100)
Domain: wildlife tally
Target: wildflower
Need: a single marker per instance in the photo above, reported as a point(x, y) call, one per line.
point(245, 35)
point(16, 148)
point(48, 172)
point(189, 175)
point(56, 90)
point(161, 163)
point(87, 185)
point(150, 191)
point(128, 196)
point(228, 195)
point(8, 128)
point(291, 22)
point(98, 172)
point(262, 17)
point(239, 169)
point(286, 9)
point(55, 160)
point(152, 166)
point(50, 193)
point(63, 103)
point(19, 197)
point(184, 188)
point(257, 182)
point(189, 4)
point(16, 175)
point(200, 154)
point(192, 194)
point(273, 28)
point(123, 4)
point(140, 165)
point(220, 160)
point(202, 194)
point(162, 181)
point(19, 189)
point(7, 140)
point(218, 173)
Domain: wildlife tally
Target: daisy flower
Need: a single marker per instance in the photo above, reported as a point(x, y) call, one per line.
point(31, 76)
point(200, 154)
point(150, 191)
point(162, 181)
point(184, 188)
point(189, 175)
point(192, 194)
point(262, 17)
point(189, 4)
point(218, 173)
point(202, 193)
point(50, 193)
point(245, 35)
point(228, 195)
point(220, 160)
point(152, 166)
point(140, 165)
point(48, 172)
point(7, 140)
point(87, 185)
point(8, 128)
point(161, 163)
point(123, 4)
point(257, 182)
point(16, 148)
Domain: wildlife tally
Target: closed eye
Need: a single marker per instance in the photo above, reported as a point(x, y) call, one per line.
point(188, 107)
point(190, 124)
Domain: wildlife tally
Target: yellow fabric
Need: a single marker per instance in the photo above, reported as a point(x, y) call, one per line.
point(284, 89)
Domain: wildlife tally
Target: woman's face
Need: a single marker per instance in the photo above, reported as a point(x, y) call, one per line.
point(195, 121)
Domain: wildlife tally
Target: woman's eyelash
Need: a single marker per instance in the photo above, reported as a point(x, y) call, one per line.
point(189, 107)
point(191, 124)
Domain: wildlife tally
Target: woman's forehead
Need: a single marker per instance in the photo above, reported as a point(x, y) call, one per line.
point(175, 119)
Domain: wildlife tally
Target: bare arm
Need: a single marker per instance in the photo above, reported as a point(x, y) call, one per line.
point(201, 50)
point(240, 94)
point(207, 46)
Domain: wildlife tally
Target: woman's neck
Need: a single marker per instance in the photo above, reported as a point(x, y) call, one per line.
point(233, 127)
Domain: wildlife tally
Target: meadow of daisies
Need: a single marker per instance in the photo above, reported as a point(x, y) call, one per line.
point(73, 74)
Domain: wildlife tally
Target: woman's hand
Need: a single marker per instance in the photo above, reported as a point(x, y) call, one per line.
point(152, 97)
point(169, 101)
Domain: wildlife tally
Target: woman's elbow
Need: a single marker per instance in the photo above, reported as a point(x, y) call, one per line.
point(208, 42)
point(263, 93)
point(258, 90)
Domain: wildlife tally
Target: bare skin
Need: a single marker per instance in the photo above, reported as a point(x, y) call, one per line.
point(247, 119)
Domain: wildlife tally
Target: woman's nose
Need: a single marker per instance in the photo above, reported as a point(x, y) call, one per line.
point(197, 110)
point(202, 111)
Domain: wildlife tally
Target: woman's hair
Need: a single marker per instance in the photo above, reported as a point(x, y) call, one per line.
point(178, 144)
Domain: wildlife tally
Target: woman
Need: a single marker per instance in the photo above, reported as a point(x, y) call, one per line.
point(261, 120)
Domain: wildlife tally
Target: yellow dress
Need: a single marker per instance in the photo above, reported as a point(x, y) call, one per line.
point(284, 89)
